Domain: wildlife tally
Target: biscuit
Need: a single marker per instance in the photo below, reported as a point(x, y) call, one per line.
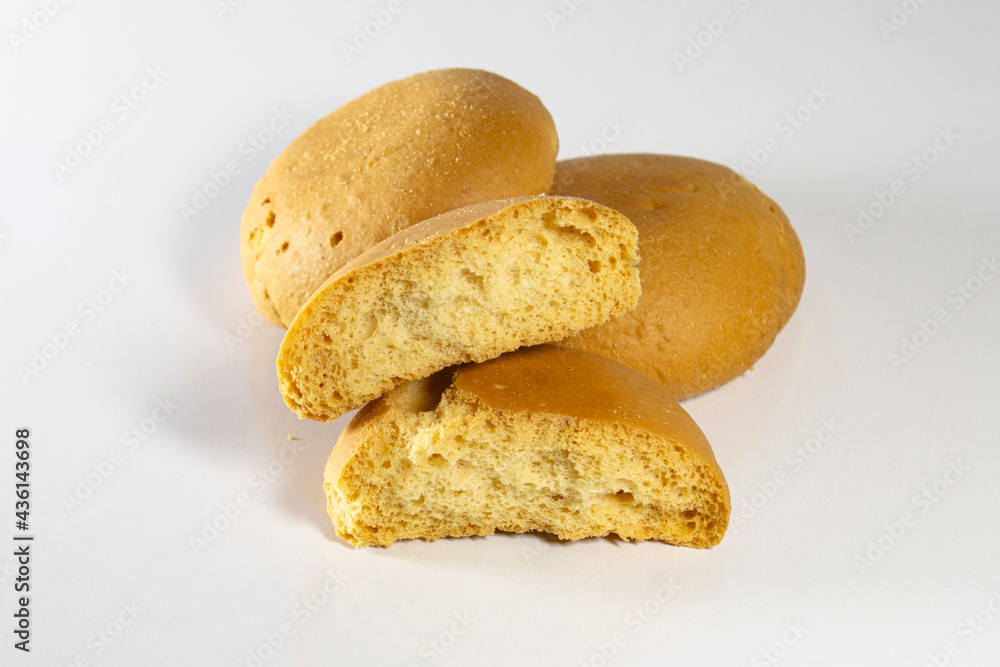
point(722, 269)
point(542, 439)
point(467, 285)
point(401, 153)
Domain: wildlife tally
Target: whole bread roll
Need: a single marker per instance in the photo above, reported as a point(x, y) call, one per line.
point(722, 268)
point(467, 285)
point(542, 439)
point(399, 154)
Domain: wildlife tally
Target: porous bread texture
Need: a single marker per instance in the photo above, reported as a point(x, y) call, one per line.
point(498, 447)
point(722, 268)
point(401, 153)
point(464, 286)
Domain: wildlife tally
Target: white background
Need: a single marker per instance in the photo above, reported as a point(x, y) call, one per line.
point(178, 332)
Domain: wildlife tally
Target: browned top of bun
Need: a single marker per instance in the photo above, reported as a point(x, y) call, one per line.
point(722, 269)
point(401, 153)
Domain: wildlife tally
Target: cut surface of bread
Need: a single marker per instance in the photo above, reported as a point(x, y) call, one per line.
point(464, 286)
point(398, 154)
point(722, 268)
point(541, 439)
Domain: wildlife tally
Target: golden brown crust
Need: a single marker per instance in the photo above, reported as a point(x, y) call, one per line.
point(399, 154)
point(722, 269)
point(353, 435)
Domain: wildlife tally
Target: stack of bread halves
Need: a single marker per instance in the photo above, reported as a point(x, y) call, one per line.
point(516, 331)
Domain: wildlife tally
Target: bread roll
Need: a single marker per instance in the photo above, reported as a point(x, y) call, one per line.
point(541, 439)
point(722, 269)
point(399, 154)
point(467, 285)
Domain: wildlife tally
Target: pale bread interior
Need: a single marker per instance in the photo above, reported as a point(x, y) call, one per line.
point(532, 272)
point(430, 461)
